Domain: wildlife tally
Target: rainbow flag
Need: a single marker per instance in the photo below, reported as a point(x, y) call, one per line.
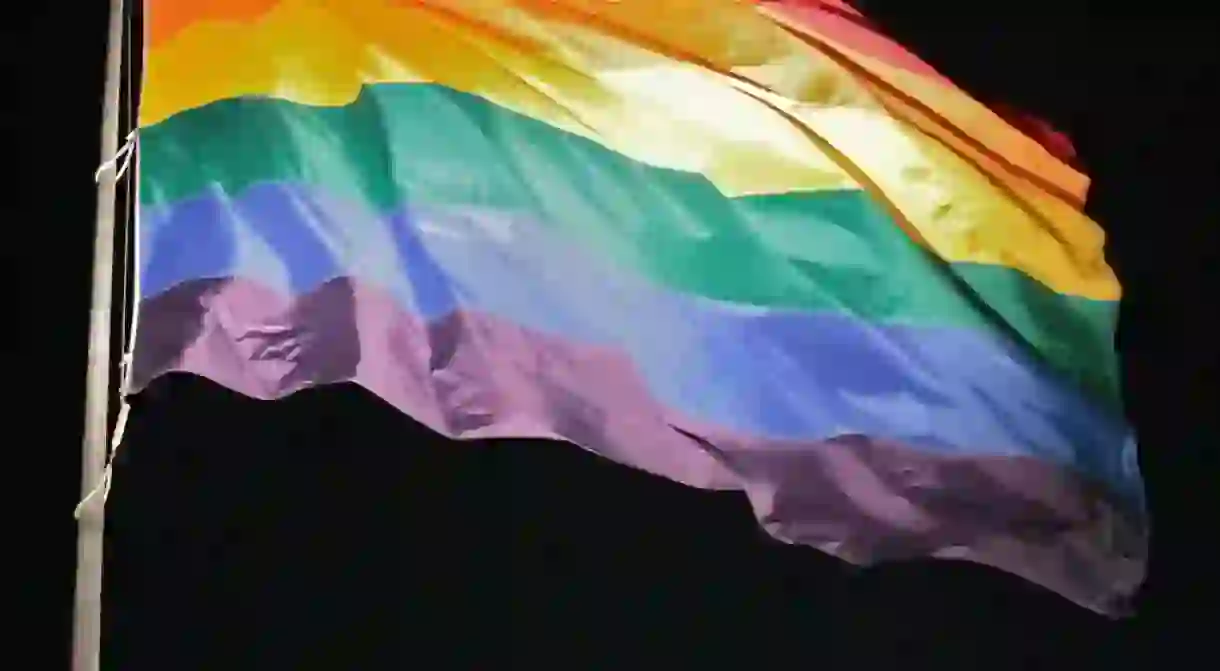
point(744, 245)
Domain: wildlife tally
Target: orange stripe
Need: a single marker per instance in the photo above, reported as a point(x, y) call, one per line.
point(165, 18)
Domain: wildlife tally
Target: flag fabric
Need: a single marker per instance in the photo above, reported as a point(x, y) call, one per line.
point(751, 246)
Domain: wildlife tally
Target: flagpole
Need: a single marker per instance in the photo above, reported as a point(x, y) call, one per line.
point(87, 630)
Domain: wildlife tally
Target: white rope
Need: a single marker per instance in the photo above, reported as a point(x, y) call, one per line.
point(95, 501)
point(124, 154)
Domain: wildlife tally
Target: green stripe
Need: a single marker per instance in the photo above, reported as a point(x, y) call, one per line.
point(827, 250)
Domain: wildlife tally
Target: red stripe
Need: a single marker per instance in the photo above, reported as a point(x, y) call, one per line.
point(847, 26)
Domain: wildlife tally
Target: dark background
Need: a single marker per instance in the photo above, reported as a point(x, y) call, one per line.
point(329, 532)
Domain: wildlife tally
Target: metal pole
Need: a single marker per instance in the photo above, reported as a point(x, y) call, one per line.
point(87, 630)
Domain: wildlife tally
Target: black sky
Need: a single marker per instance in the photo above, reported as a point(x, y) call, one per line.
point(329, 532)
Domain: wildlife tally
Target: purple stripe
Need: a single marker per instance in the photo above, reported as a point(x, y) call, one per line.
point(472, 376)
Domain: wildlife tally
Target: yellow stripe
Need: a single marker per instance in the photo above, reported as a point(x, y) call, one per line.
point(712, 113)
point(943, 108)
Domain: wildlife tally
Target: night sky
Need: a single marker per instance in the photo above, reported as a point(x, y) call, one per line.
point(327, 531)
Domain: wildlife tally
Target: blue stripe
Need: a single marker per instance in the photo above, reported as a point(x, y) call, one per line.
point(772, 373)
